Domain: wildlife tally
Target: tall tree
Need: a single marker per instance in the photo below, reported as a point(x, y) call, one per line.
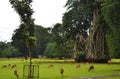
point(98, 51)
point(23, 8)
point(84, 15)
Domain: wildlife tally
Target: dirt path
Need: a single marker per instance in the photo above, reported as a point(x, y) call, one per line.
point(98, 77)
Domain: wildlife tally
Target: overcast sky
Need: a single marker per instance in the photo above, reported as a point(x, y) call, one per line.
point(47, 13)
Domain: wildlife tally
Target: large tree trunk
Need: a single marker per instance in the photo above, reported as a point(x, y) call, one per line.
point(96, 48)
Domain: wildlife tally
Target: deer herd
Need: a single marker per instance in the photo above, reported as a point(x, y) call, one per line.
point(90, 68)
point(15, 72)
point(11, 66)
point(8, 66)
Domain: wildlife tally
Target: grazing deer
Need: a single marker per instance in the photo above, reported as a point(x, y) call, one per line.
point(4, 66)
point(51, 65)
point(9, 65)
point(91, 68)
point(61, 71)
point(16, 73)
point(13, 66)
point(78, 66)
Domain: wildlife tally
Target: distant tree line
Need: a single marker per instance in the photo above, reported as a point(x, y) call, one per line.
point(8, 51)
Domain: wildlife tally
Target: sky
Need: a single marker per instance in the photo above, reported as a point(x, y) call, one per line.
point(46, 13)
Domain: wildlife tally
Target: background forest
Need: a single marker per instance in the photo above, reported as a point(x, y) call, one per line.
point(90, 31)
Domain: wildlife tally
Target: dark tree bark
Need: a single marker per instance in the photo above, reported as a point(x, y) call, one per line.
point(96, 43)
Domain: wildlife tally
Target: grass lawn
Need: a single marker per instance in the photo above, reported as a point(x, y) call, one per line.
point(70, 70)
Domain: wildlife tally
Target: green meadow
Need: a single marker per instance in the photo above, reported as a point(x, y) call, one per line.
point(69, 66)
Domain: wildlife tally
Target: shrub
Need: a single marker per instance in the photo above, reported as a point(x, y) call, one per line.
point(80, 57)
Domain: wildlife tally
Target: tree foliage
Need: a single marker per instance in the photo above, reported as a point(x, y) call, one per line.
point(83, 16)
point(7, 50)
point(23, 8)
point(19, 39)
point(58, 34)
point(76, 22)
point(43, 37)
point(86, 26)
point(54, 50)
point(111, 13)
point(77, 18)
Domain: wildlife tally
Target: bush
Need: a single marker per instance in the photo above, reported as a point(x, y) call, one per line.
point(80, 57)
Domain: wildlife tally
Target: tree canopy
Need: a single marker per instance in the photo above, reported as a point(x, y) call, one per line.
point(89, 27)
point(111, 13)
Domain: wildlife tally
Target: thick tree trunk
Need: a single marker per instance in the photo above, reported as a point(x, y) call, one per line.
point(96, 48)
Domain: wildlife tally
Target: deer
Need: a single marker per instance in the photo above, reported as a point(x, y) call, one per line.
point(51, 65)
point(9, 65)
point(78, 66)
point(13, 66)
point(91, 68)
point(61, 71)
point(4, 66)
point(16, 73)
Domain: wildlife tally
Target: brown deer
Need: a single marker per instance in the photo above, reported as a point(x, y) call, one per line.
point(13, 66)
point(4, 66)
point(9, 65)
point(91, 68)
point(78, 66)
point(16, 73)
point(51, 65)
point(61, 71)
